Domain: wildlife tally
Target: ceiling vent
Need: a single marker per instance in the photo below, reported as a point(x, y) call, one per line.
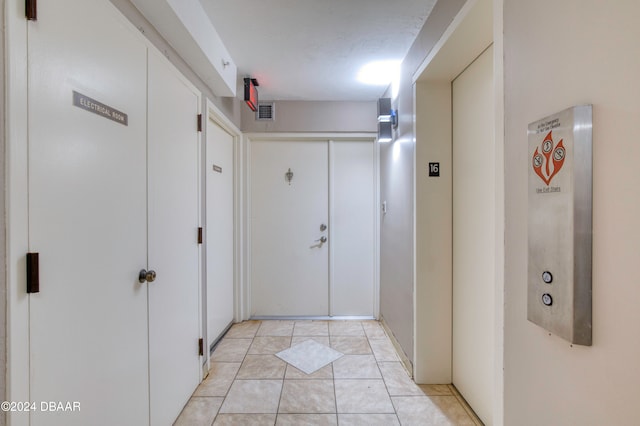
point(265, 111)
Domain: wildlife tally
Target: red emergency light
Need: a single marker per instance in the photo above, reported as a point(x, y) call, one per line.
point(251, 93)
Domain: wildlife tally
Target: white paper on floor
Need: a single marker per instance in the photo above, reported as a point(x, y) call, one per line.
point(309, 356)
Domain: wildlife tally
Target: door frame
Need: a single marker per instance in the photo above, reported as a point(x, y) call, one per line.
point(16, 199)
point(478, 25)
point(330, 138)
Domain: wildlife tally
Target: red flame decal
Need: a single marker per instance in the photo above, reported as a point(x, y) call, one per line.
point(549, 152)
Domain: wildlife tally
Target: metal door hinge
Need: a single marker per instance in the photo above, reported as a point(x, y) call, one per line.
point(31, 10)
point(33, 273)
point(200, 235)
point(199, 122)
point(201, 346)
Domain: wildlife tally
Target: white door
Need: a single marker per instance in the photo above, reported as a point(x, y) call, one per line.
point(87, 215)
point(219, 230)
point(174, 314)
point(289, 262)
point(352, 228)
point(330, 196)
point(473, 234)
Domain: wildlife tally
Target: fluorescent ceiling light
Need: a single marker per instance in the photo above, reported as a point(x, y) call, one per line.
point(379, 73)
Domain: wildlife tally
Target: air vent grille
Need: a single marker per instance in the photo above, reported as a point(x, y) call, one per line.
point(265, 111)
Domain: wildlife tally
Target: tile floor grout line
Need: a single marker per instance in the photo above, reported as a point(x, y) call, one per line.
point(283, 379)
point(235, 376)
point(335, 396)
point(385, 385)
point(333, 339)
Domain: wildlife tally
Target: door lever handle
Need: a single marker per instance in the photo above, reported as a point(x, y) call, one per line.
point(319, 242)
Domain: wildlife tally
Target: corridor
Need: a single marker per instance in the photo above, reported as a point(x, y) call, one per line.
point(367, 385)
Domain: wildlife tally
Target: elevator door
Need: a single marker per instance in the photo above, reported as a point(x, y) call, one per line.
point(473, 234)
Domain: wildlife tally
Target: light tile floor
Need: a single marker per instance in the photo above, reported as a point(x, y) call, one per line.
point(368, 386)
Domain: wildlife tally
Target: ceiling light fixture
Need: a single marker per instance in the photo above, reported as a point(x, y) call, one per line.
point(379, 73)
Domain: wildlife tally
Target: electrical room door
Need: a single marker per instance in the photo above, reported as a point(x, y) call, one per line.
point(174, 303)
point(87, 214)
point(289, 228)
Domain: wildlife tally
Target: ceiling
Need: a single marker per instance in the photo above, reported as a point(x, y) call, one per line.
point(314, 49)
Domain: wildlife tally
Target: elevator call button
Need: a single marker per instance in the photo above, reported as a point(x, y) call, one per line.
point(547, 300)
point(547, 277)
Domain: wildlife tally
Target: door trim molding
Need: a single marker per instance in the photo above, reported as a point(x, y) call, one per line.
point(245, 289)
point(17, 204)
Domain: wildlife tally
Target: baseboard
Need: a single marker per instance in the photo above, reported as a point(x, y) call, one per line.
point(315, 317)
point(404, 359)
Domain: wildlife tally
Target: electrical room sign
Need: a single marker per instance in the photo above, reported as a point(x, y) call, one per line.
point(559, 223)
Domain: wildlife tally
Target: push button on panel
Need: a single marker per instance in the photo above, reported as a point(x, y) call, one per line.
point(547, 299)
point(547, 277)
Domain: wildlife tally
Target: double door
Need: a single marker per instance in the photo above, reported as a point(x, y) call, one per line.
point(113, 190)
point(312, 228)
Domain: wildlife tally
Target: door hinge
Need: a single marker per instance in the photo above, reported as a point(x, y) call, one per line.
point(31, 10)
point(200, 235)
point(33, 273)
point(199, 122)
point(201, 346)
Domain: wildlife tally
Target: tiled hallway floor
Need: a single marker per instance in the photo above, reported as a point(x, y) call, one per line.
point(249, 385)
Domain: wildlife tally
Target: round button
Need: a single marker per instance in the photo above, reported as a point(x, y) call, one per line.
point(547, 277)
point(547, 299)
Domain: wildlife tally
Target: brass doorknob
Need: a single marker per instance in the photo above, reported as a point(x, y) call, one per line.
point(148, 276)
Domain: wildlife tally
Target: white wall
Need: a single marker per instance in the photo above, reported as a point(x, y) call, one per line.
point(397, 188)
point(228, 105)
point(314, 116)
point(558, 54)
point(433, 292)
